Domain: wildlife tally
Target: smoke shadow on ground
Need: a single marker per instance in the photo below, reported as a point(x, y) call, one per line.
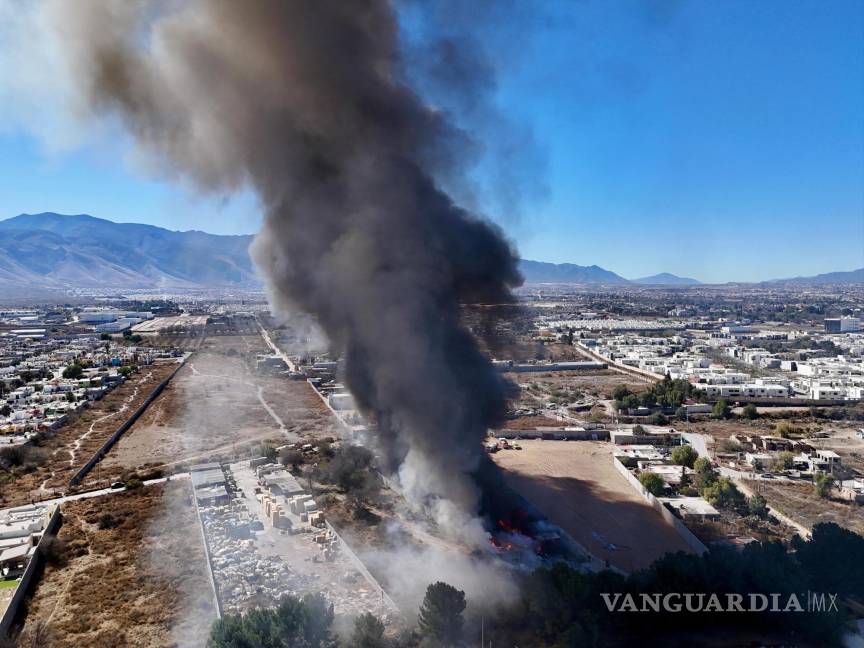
point(611, 525)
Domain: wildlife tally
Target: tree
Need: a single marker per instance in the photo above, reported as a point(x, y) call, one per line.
point(724, 494)
point(705, 474)
point(291, 457)
point(368, 632)
point(659, 419)
point(5, 410)
point(653, 483)
point(751, 412)
point(647, 399)
point(822, 484)
point(784, 461)
point(721, 409)
point(757, 505)
point(441, 613)
point(684, 455)
point(73, 372)
point(294, 623)
point(681, 413)
point(620, 392)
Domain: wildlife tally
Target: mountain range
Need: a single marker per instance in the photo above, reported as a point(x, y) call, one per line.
point(54, 251)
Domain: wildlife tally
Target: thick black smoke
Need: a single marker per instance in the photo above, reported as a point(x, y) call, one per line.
point(305, 100)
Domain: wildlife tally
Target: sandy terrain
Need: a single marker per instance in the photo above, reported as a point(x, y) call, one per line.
point(215, 402)
point(141, 583)
point(576, 486)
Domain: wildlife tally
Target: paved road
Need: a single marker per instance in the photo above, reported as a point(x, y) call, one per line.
point(698, 443)
point(99, 493)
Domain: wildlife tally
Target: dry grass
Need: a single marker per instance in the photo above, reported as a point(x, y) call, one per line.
point(800, 502)
point(141, 583)
point(92, 427)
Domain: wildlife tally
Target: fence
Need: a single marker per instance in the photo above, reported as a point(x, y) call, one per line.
point(692, 541)
point(217, 599)
point(30, 571)
point(120, 431)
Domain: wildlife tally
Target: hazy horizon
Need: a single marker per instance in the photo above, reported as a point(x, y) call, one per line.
point(611, 267)
point(723, 142)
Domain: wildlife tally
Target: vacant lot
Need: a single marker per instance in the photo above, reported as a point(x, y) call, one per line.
point(800, 502)
point(214, 403)
point(576, 486)
point(135, 574)
point(61, 455)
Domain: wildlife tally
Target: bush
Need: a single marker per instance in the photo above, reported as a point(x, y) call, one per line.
point(54, 550)
point(758, 506)
point(653, 483)
point(721, 409)
point(134, 484)
point(822, 484)
point(684, 455)
point(786, 430)
point(107, 521)
point(73, 372)
point(659, 419)
point(291, 457)
point(751, 412)
point(349, 468)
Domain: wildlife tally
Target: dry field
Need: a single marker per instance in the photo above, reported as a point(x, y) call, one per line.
point(532, 422)
point(576, 486)
point(73, 444)
point(142, 582)
point(598, 384)
point(214, 404)
point(800, 502)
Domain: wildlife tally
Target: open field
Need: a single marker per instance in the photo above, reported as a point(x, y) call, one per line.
point(576, 486)
point(214, 403)
point(135, 574)
point(61, 455)
point(800, 502)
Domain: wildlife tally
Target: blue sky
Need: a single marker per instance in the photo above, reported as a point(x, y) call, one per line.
point(718, 140)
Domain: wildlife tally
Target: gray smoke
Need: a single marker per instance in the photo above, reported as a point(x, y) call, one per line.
point(306, 101)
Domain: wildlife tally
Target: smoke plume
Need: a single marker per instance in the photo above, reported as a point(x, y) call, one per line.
point(306, 102)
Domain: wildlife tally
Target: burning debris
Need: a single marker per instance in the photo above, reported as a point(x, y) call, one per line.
point(307, 103)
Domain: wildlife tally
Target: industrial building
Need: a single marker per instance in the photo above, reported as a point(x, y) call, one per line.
point(209, 483)
point(842, 324)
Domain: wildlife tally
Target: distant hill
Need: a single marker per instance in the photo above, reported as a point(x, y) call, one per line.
point(667, 279)
point(539, 272)
point(57, 251)
point(850, 277)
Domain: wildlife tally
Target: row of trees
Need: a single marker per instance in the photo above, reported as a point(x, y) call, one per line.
point(307, 623)
point(561, 606)
point(665, 393)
